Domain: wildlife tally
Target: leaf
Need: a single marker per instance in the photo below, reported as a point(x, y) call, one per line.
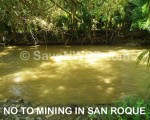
point(144, 57)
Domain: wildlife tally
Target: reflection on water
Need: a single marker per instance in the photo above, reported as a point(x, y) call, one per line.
point(75, 74)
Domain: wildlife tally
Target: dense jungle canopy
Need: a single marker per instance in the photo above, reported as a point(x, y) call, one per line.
point(22, 21)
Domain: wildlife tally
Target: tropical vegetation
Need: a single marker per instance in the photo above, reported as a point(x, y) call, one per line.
point(21, 20)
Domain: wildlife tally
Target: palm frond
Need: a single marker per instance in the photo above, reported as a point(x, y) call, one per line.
point(144, 57)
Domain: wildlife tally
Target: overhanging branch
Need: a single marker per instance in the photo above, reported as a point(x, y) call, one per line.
point(65, 10)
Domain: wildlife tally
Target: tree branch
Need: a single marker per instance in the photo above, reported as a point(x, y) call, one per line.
point(65, 10)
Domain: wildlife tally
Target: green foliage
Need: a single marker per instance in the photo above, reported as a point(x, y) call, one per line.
point(141, 14)
point(133, 102)
point(19, 16)
point(144, 57)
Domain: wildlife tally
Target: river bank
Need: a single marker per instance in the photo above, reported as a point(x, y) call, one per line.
point(96, 111)
point(95, 37)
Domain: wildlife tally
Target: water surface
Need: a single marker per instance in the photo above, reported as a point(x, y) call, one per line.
point(72, 74)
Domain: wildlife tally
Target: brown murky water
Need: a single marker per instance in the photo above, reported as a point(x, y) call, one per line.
point(71, 74)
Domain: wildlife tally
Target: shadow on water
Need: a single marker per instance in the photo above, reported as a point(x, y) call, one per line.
point(73, 79)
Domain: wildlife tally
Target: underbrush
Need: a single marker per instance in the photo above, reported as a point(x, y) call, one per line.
point(132, 102)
